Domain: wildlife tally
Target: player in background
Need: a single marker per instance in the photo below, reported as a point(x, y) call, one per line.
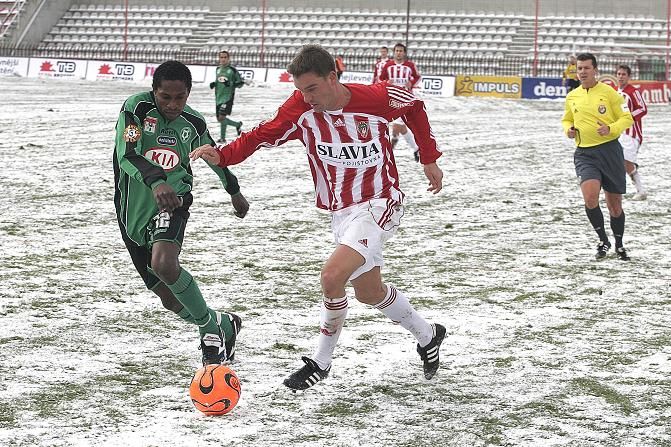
point(570, 75)
point(344, 130)
point(402, 73)
point(228, 79)
point(155, 132)
point(631, 139)
point(379, 65)
point(595, 116)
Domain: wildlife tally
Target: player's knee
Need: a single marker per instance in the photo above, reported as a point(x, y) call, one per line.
point(166, 268)
point(332, 283)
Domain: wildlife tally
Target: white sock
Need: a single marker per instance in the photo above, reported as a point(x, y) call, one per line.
point(636, 177)
point(331, 321)
point(396, 307)
point(410, 139)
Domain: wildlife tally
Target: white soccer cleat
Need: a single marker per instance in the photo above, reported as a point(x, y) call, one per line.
point(640, 196)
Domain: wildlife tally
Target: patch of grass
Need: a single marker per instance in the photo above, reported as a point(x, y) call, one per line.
point(504, 362)
point(491, 430)
point(285, 347)
point(592, 387)
point(346, 408)
point(7, 416)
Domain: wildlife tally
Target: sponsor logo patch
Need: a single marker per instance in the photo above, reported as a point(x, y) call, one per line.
point(399, 104)
point(167, 141)
point(351, 155)
point(131, 133)
point(163, 156)
point(602, 109)
point(339, 123)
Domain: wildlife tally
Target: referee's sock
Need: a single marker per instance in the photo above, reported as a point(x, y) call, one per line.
point(595, 217)
point(617, 225)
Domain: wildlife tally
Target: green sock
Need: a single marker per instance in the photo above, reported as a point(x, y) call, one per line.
point(186, 316)
point(187, 292)
point(222, 126)
point(226, 326)
point(230, 122)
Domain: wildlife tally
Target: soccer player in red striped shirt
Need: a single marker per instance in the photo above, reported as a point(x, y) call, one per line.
point(344, 128)
point(631, 139)
point(403, 73)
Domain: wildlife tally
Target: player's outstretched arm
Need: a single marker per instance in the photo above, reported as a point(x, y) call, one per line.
point(207, 152)
point(435, 176)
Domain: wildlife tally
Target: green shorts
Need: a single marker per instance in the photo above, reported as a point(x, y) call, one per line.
point(158, 229)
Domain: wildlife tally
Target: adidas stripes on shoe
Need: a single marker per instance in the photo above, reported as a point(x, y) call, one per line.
point(429, 353)
point(307, 376)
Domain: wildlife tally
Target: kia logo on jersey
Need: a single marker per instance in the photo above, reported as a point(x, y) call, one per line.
point(351, 155)
point(163, 156)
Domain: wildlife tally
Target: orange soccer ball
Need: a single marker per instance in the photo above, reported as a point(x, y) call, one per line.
point(215, 389)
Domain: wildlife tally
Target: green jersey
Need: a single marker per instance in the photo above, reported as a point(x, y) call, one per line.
point(150, 150)
point(228, 79)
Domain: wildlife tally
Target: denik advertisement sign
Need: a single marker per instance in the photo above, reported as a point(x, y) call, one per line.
point(543, 88)
point(13, 66)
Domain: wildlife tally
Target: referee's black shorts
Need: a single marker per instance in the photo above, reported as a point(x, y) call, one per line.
point(605, 163)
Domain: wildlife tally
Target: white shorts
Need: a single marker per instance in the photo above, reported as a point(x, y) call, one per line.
point(630, 147)
point(365, 228)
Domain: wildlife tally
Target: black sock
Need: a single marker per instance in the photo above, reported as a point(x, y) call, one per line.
point(595, 217)
point(617, 225)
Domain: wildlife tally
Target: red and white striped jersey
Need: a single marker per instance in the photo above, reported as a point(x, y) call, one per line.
point(400, 74)
point(377, 69)
point(638, 110)
point(350, 155)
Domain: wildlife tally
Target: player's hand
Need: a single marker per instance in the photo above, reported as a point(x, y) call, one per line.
point(603, 130)
point(166, 198)
point(207, 152)
point(571, 132)
point(240, 205)
point(435, 176)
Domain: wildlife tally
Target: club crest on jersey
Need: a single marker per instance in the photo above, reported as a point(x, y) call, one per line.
point(350, 155)
point(602, 109)
point(150, 124)
point(363, 129)
point(165, 157)
point(131, 133)
point(185, 134)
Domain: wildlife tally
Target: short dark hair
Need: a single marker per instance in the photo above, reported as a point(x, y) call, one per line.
point(587, 57)
point(400, 45)
point(224, 52)
point(626, 68)
point(172, 71)
point(384, 48)
point(312, 59)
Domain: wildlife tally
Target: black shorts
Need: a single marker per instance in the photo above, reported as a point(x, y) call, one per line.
point(605, 163)
point(173, 232)
point(225, 108)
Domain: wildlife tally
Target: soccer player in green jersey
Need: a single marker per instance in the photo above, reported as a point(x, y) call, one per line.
point(228, 79)
point(155, 133)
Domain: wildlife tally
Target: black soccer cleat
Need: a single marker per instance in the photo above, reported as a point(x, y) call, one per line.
point(238, 128)
point(622, 254)
point(429, 353)
point(602, 249)
point(416, 155)
point(307, 376)
point(236, 322)
point(212, 345)
point(228, 353)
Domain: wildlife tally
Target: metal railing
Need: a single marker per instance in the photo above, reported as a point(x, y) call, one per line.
point(362, 61)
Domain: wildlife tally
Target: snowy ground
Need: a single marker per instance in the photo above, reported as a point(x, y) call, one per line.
point(547, 347)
